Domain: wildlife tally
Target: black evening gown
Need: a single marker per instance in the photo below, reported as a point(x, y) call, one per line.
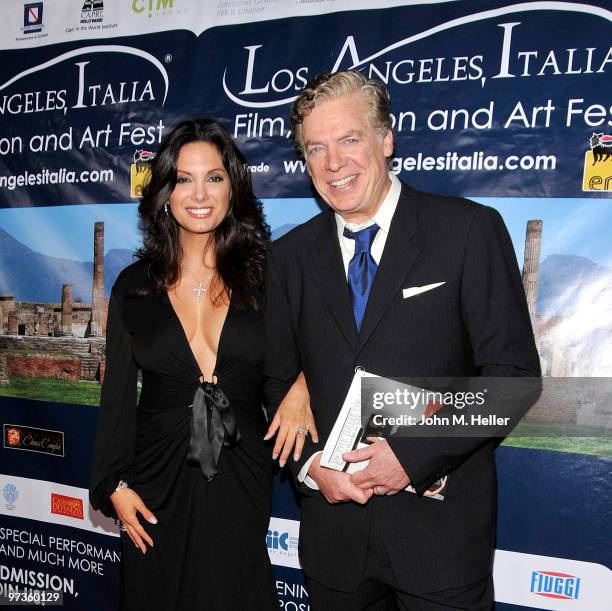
point(209, 549)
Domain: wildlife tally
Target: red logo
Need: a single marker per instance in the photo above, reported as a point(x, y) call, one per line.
point(601, 145)
point(142, 155)
point(67, 506)
point(13, 436)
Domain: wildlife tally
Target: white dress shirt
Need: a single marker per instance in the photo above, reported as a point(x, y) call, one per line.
point(382, 218)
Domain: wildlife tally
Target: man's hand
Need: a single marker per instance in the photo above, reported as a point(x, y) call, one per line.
point(384, 474)
point(336, 486)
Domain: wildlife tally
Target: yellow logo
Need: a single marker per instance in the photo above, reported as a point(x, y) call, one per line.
point(598, 164)
point(140, 172)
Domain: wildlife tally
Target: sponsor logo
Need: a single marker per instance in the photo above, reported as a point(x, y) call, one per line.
point(156, 8)
point(67, 506)
point(17, 437)
point(598, 163)
point(564, 584)
point(140, 171)
point(10, 495)
point(555, 585)
point(12, 437)
point(282, 541)
point(277, 540)
point(32, 17)
point(92, 11)
point(142, 155)
point(601, 145)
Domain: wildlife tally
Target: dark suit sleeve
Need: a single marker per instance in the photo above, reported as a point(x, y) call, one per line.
point(493, 299)
point(114, 445)
point(498, 326)
point(282, 362)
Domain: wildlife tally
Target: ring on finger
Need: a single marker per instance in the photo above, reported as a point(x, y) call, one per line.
point(122, 527)
point(302, 430)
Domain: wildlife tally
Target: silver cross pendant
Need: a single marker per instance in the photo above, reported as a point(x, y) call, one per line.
point(198, 290)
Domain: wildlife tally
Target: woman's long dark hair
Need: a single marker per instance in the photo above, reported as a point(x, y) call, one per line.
point(241, 238)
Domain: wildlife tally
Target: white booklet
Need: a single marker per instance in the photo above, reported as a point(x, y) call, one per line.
point(348, 433)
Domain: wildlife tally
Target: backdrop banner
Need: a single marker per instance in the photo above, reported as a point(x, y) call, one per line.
point(492, 98)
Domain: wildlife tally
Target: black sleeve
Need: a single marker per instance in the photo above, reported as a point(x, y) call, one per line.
point(282, 360)
point(494, 311)
point(114, 445)
point(494, 304)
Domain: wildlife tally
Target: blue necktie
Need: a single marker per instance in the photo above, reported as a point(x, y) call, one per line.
point(361, 270)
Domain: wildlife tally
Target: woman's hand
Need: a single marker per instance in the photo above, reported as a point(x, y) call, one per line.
point(127, 503)
point(292, 414)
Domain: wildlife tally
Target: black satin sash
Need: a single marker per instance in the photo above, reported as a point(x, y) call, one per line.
point(213, 425)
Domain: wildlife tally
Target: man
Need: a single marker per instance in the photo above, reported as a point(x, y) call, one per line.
point(334, 302)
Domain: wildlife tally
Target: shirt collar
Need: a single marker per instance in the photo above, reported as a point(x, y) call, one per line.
point(383, 215)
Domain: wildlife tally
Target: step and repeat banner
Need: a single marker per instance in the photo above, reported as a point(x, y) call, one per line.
point(507, 103)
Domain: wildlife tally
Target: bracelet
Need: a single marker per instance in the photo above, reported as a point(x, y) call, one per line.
point(121, 485)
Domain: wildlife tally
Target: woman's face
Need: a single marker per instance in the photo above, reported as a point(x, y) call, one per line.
point(200, 200)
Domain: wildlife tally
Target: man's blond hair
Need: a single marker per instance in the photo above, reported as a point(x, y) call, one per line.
point(326, 87)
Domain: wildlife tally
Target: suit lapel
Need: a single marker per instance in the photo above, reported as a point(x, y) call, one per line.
point(399, 255)
point(325, 262)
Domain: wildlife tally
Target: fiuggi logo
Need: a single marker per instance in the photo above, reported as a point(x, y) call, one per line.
point(67, 506)
point(555, 585)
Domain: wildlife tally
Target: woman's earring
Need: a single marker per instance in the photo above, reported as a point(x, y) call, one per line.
point(166, 209)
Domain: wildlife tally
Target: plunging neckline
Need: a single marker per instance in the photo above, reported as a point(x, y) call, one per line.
point(188, 345)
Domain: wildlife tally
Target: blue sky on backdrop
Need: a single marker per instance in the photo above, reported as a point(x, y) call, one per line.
point(571, 226)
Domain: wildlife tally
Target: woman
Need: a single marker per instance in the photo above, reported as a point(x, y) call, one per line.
point(187, 473)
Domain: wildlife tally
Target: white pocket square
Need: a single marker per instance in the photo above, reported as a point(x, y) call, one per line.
point(417, 290)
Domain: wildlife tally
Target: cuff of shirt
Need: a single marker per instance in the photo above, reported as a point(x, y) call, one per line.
point(303, 476)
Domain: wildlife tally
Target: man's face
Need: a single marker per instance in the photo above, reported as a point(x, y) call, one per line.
point(346, 156)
